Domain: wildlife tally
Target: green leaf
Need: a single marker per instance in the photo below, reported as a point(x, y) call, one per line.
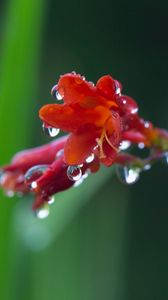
point(18, 79)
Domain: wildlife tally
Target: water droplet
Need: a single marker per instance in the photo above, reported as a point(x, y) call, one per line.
point(33, 174)
point(9, 193)
point(141, 146)
point(117, 87)
point(127, 104)
point(42, 212)
point(147, 167)
point(83, 78)
point(164, 158)
point(58, 96)
point(33, 185)
point(146, 124)
point(74, 173)
point(128, 175)
point(83, 177)
point(92, 83)
point(78, 182)
point(90, 158)
point(124, 145)
point(134, 110)
point(50, 131)
point(51, 200)
point(86, 174)
point(73, 73)
point(59, 153)
point(54, 91)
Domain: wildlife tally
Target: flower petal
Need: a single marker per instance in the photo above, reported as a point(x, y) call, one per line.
point(79, 146)
point(73, 88)
point(108, 86)
point(69, 118)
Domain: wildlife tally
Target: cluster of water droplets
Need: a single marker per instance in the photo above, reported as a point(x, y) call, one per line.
point(130, 174)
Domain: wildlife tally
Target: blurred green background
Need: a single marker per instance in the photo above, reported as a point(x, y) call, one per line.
point(102, 240)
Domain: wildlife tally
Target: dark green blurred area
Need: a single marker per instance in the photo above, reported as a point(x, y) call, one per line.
point(102, 240)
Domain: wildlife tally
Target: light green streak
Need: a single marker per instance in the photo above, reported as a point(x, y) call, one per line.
point(18, 78)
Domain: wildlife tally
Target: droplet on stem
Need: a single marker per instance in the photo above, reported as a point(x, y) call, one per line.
point(42, 212)
point(51, 200)
point(90, 158)
point(59, 153)
point(127, 174)
point(33, 174)
point(74, 173)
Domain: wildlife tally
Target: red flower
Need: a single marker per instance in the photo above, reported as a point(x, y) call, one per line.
point(90, 114)
point(101, 123)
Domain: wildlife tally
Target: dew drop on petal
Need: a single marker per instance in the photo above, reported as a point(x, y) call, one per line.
point(59, 153)
point(117, 87)
point(50, 131)
point(42, 212)
point(33, 185)
point(90, 158)
point(74, 173)
point(53, 91)
point(134, 110)
point(33, 174)
point(58, 96)
point(128, 175)
point(146, 124)
point(124, 145)
point(51, 200)
point(73, 73)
